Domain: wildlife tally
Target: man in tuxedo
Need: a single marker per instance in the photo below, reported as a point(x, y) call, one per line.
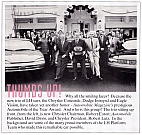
point(93, 52)
point(78, 50)
point(63, 47)
point(104, 42)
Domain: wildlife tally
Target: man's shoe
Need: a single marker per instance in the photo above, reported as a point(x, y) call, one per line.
point(86, 78)
point(93, 76)
point(100, 78)
point(57, 78)
point(75, 78)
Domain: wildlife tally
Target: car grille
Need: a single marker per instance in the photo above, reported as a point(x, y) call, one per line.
point(130, 62)
point(23, 68)
point(122, 61)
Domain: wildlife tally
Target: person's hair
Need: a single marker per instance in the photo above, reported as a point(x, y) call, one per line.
point(41, 35)
point(97, 30)
point(109, 34)
point(60, 31)
point(74, 32)
point(101, 31)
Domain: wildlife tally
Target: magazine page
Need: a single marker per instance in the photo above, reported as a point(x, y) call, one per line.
point(70, 67)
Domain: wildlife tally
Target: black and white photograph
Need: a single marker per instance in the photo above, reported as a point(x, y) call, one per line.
point(70, 66)
point(83, 47)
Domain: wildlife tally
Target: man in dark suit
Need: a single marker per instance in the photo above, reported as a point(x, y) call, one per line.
point(78, 50)
point(104, 42)
point(51, 43)
point(43, 47)
point(63, 47)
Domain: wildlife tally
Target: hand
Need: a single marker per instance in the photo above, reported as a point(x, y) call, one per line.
point(102, 49)
point(56, 62)
point(55, 47)
point(38, 48)
point(83, 53)
point(70, 56)
point(107, 42)
point(64, 56)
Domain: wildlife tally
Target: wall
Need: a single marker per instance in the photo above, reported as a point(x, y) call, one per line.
point(9, 24)
point(81, 15)
point(70, 21)
point(28, 11)
point(59, 9)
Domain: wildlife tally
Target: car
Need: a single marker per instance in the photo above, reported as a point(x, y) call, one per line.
point(21, 55)
point(125, 58)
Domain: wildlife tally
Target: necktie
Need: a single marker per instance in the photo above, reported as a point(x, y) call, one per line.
point(91, 43)
point(62, 42)
point(112, 40)
point(76, 41)
point(102, 38)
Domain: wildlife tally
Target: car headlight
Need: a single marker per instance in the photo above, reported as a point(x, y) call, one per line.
point(7, 62)
point(112, 60)
point(40, 59)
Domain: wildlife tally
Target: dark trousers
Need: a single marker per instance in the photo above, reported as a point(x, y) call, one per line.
point(51, 54)
point(62, 64)
point(103, 64)
point(81, 60)
point(46, 58)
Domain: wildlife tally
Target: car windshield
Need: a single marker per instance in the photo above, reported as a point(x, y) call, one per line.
point(131, 44)
point(18, 45)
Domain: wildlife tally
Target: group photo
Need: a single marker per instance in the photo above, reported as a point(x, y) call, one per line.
point(85, 48)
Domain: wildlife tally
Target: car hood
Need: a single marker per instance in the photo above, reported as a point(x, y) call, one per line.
point(127, 52)
point(22, 56)
point(126, 57)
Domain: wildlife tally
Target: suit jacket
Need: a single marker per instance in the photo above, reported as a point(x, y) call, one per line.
point(104, 44)
point(43, 46)
point(78, 48)
point(63, 49)
point(96, 46)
